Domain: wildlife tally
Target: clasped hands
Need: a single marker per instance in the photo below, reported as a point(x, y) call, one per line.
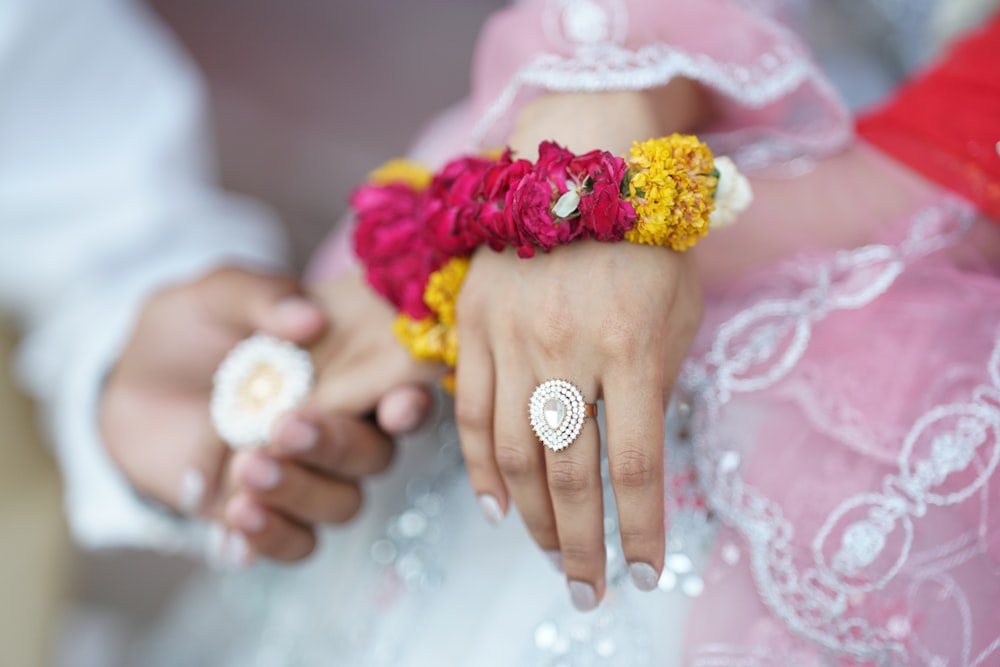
point(616, 320)
point(155, 408)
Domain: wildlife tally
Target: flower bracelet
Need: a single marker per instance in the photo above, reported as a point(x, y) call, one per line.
point(416, 231)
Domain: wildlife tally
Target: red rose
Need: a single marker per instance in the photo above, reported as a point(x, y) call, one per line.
point(604, 214)
point(493, 226)
point(553, 164)
point(527, 208)
point(460, 182)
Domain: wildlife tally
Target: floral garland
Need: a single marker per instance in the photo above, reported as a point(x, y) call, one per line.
point(416, 230)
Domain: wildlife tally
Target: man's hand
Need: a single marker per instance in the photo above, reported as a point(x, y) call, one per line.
point(156, 425)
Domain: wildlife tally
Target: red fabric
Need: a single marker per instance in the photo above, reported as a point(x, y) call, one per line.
point(945, 123)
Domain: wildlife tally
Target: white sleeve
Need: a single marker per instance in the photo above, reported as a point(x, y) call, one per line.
point(105, 197)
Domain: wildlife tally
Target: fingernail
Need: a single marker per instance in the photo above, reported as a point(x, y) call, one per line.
point(237, 552)
point(248, 517)
point(491, 508)
point(294, 311)
point(583, 595)
point(296, 435)
point(192, 491)
point(555, 557)
point(644, 576)
point(409, 419)
point(259, 472)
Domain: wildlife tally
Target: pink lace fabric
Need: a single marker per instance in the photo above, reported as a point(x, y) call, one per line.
point(846, 383)
point(847, 433)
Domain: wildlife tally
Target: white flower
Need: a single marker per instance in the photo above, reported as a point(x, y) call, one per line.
point(259, 380)
point(733, 194)
point(568, 202)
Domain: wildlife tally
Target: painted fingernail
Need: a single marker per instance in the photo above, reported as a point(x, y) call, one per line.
point(294, 311)
point(192, 491)
point(295, 435)
point(491, 508)
point(582, 595)
point(236, 551)
point(259, 472)
point(248, 517)
point(555, 557)
point(644, 576)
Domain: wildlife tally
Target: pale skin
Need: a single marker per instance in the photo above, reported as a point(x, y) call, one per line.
point(616, 320)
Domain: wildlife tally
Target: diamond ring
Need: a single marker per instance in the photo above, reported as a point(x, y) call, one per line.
point(557, 411)
point(258, 381)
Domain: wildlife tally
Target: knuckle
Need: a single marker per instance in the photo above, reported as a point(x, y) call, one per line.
point(514, 463)
point(582, 553)
point(472, 416)
point(634, 535)
point(554, 334)
point(632, 468)
point(618, 338)
point(569, 479)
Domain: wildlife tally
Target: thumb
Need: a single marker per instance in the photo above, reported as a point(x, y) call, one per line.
point(246, 302)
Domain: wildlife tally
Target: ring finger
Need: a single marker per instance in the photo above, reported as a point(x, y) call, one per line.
point(521, 460)
point(574, 483)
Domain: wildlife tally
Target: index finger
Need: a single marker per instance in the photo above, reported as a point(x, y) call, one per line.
point(333, 444)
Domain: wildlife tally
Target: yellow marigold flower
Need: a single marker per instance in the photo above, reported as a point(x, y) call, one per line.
point(435, 338)
point(671, 184)
point(424, 338)
point(401, 171)
point(443, 286)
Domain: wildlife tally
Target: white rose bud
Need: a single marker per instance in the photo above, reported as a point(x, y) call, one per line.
point(733, 195)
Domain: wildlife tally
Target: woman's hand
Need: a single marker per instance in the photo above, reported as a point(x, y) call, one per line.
point(616, 320)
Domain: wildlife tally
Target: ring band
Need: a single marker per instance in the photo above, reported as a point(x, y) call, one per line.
point(557, 411)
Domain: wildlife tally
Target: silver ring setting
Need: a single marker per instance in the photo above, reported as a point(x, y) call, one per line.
point(557, 411)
